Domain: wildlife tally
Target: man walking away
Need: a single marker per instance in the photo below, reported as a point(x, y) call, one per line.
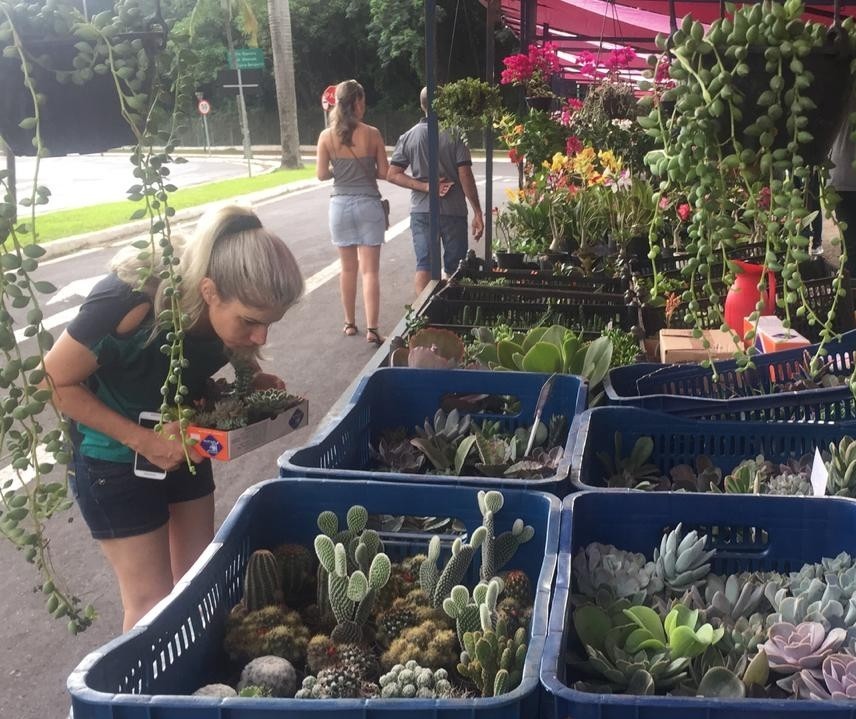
point(457, 186)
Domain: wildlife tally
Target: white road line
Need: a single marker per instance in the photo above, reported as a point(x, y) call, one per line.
point(60, 318)
point(19, 479)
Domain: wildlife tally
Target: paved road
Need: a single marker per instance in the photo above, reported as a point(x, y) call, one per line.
point(307, 348)
point(80, 180)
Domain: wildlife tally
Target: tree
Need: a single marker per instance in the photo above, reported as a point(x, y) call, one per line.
point(279, 19)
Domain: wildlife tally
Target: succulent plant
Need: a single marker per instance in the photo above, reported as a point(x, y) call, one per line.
point(493, 660)
point(516, 585)
point(274, 675)
point(265, 403)
point(274, 630)
point(335, 682)
point(472, 614)
point(837, 681)
point(321, 652)
point(604, 568)
point(698, 478)
point(438, 584)
point(403, 578)
point(841, 468)
point(792, 485)
point(432, 642)
point(791, 649)
point(743, 637)
point(514, 613)
point(733, 598)
point(395, 453)
point(681, 560)
point(297, 567)
point(412, 681)
point(749, 477)
point(634, 471)
point(262, 581)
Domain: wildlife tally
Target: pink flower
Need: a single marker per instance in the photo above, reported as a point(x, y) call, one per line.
point(664, 202)
point(683, 211)
point(619, 58)
point(573, 145)
point(764, 198)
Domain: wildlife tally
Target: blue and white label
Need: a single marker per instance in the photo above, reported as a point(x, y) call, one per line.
point(211, 445)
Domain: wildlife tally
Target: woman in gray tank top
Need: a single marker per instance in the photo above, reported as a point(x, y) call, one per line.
point(354, 155)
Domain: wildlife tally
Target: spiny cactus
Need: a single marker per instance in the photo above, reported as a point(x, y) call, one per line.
point(403, 578)
point(437, 584)
point(268, 403)
point(841, 481)
point(470, 616)
point(262, 581)
point(517, 586)
point(492, 660)
point(297, 568)
point(336, 682)
point(244, 373)
point(411, 681)
point(271, 675)
point(507, 543)
point(273, 630)
point(321, 652)
point(431, 642)
point(514, 613)
point(681, 561)
point(351, 594)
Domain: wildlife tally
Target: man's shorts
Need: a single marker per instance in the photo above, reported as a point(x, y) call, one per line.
point(356, 220)
point(116, 503)
point(453, 234)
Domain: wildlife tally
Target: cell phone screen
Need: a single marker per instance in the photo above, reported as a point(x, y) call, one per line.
point(141, 464)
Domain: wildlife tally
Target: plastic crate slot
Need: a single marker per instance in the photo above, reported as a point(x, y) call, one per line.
point(481, 405)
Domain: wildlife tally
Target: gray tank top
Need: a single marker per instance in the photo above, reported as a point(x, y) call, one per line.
point(352, 177)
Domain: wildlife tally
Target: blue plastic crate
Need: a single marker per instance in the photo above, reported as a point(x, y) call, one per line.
point(678, 440)
point(179, 648)
point(394, 397)
point(752, 534)
point(689, 389)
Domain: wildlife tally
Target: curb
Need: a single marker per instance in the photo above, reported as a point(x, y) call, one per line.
point(101, 238)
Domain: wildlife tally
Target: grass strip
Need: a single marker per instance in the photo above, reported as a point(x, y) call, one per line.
point(66, 223)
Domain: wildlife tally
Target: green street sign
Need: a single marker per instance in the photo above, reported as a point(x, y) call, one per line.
point(248, 58)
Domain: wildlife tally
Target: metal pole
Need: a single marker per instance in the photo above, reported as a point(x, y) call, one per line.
point(242, 106)
point(11, 180)
point(433, 139)
point(207, 136)
point(489, 76)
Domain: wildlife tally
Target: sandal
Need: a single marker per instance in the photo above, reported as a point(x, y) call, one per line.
point(372, 336)
point(350, 329)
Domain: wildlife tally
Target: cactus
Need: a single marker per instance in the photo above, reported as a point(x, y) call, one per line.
point(492, 660)
point(517, 586)
point(321, 652)
point(431, 642)
point(438, 585)
point(403, 578)
point(244, 373)
point(514, 613)
point(336, 682)
point(410, 680)
point(272, 630)
point(351, 594)
point(274, 676)
point(297, 569)
point(262, 581)
point(407, 611)
point(489, 504)
point(262, 404)
point(470, 616)
point(508, 542)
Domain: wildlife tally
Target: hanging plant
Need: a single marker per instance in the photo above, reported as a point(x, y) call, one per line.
point(468, 104)
point(742, 116)
point(118, 47)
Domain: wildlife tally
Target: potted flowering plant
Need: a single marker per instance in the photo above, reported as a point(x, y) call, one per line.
point(532, 71)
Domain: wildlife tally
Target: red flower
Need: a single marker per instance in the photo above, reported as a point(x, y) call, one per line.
point(764, 198)
point(513, 156)
point(573, 145)
point(683, 211)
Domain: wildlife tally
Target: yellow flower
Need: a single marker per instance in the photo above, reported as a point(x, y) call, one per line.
point(513, 195)
point(559, 161)
point(610, 161)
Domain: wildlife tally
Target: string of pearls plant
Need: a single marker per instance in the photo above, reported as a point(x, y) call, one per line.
point(106, 44)
point(737, 119)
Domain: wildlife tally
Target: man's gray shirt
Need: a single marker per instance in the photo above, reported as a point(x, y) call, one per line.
point(411, 151)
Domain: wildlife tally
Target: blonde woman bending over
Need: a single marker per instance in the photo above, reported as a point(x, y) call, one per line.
point(354, 155)
point(107, 367)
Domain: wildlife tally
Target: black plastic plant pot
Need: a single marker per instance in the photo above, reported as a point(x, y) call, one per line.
point(830, 91)
point(510, 260)
point(545, 104)
point(73, 118)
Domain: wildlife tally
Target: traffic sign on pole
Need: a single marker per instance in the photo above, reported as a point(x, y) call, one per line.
point(246, 58)
point(328, 97)
point(204, 107)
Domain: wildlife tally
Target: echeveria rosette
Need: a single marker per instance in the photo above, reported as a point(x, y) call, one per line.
point(800, 650)
point(837, 681)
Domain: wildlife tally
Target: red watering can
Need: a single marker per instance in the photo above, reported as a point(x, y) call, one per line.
point(743, 295)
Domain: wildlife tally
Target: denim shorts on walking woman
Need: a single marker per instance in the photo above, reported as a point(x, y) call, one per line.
point(356, 220)
point(116, 503)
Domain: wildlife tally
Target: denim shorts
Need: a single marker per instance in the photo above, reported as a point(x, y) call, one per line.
point(453, 235)
point(116, 503)
point(356, 220)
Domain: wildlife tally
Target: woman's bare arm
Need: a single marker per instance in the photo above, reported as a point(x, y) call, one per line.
point(322, 158)
point(69, 363)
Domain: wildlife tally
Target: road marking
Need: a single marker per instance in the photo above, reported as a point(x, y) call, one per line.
point(76, 288)
point(19, 479)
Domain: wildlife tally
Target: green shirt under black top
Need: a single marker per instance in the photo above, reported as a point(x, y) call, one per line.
point(132, 369)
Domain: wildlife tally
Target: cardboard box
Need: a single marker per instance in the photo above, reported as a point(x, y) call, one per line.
point(223, 445)
point(681, 346)
point(772, 336)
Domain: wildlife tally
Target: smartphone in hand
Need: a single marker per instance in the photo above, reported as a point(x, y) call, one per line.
point(142, 466)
